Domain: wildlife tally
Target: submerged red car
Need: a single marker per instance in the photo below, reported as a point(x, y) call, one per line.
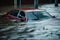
point(25, 14)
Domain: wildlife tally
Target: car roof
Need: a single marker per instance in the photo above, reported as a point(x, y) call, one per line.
point(30, 9)
point(26, 8)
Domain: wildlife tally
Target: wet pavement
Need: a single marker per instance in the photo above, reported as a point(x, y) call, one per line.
point(44, 30)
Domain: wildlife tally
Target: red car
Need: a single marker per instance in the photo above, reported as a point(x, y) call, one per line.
point(25, 14)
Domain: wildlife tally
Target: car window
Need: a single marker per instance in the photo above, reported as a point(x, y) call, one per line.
point(14, 12)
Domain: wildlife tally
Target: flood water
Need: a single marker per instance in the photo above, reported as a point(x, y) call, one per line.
point(32, 32)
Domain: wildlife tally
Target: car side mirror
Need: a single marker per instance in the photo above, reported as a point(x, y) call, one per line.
point(53, 16)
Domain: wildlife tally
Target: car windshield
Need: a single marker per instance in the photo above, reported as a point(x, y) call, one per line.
point(38, 15)
point(31, 16)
